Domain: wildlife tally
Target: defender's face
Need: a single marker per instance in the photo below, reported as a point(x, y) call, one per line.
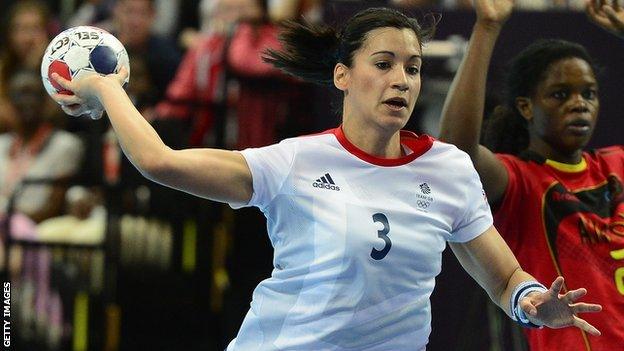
point(565, 106)
point(383, 84)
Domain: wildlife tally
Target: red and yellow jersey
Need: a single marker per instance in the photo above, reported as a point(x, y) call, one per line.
point(568, 220)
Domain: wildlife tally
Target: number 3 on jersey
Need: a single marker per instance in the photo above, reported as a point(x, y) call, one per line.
point(382, 234)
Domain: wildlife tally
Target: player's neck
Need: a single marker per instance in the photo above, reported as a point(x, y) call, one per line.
point(551, 153)
point(373, 141)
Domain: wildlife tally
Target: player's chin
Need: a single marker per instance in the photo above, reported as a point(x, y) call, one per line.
point(395, 121)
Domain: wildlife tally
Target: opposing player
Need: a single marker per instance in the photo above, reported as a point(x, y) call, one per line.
point(358, 215)
point(559, 208)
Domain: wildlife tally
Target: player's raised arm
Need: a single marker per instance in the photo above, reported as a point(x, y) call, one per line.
point(214, 174)
point(462, 116)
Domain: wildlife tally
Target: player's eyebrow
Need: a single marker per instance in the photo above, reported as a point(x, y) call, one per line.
point(385, 52)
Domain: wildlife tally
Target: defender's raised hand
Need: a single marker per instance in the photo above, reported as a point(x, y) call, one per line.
point(609, 16)
point(493, 12)
point(556, 310)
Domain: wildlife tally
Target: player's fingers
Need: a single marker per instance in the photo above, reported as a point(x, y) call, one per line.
point(61, 81)
point(574, 295)
point(96, 114)
point(594, 13)
point(74, 110)
point(67, 100)
point(123, 72)
point(556, 286)
point(586, 307)
point(528, 307)
point(122, 75)
point(613, 17)
point(582, 324)
point(600, 19)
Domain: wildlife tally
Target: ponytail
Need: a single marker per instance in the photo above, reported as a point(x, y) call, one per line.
point(309, 52)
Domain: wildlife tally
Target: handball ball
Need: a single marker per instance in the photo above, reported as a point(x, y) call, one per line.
point(79, 52)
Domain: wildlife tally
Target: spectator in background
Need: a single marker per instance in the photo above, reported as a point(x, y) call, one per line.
point(234, 34)
point(91, 12)
point(35, 150)
point(166, 15)
point(413, 3)
point(198, 90)
point(281, 10)
point(25, 37)
point(132, 24)
point(523, 5)
point(270, 104)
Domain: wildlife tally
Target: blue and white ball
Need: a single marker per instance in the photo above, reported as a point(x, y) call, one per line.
point(79, 52)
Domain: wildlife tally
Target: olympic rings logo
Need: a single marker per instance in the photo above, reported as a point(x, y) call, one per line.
point(422, 204)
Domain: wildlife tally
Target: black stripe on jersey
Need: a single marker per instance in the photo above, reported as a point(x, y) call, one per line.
point(331, 181)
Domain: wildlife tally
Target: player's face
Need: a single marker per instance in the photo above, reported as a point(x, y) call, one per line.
point(565, 107)
point(384, 81)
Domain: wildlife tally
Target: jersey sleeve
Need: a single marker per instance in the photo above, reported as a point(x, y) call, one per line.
point(270, 167)
point(476, 217)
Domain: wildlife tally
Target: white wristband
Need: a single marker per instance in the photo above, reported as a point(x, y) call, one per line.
point(520, 292)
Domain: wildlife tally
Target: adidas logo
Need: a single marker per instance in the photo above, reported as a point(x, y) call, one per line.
point(326, 182)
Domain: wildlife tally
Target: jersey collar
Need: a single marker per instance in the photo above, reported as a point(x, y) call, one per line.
point(529, 155)
point(566, 167)
point(418, 144)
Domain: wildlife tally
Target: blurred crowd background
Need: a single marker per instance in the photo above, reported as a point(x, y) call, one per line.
point(99, 258)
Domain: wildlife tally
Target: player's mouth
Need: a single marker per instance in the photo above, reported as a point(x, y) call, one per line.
point(579, 127)
point(396, 104)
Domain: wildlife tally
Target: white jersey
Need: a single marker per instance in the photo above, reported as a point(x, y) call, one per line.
point(358, 241)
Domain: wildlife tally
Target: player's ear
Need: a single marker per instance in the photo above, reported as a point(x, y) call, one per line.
point(341, 76)
point(524, 107)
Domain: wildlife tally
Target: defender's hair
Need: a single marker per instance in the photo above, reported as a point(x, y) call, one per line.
point(506, 131)
point(311, 52)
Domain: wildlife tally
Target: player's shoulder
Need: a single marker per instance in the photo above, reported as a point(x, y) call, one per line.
point(311, 139)
point(448, 152)
point(609, 151)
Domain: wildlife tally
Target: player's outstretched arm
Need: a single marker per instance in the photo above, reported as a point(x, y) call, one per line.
point(488, 259)
point(462, 115)
point(219, 175)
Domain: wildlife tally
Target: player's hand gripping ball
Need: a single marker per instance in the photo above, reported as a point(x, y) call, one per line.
point(79, 52)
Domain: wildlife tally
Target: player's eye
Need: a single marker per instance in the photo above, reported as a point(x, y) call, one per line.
point(383, 65)
point(413, 70)
point(560, 95)
point(589, 94)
